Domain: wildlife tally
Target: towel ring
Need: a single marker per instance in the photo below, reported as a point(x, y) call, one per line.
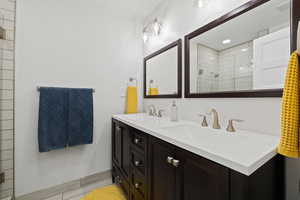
point(131, 80)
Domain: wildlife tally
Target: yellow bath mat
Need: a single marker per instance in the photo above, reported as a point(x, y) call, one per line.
point(290, 139)
point(112, 192)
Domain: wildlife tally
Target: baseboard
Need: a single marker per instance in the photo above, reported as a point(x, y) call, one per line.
point(69, 186)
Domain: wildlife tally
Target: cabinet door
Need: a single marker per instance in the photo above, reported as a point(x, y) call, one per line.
point(121, 147)
point(199, 178)
point(116, 143)
point(126, 139)
point(162, 174)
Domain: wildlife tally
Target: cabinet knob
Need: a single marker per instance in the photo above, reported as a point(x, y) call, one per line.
point(170, 159)
point(136, 140)
point(137, 185)
point(118, 128)
point(137, 163)
point(175, 163)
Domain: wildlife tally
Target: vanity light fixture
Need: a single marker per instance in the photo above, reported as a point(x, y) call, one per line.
point(201, 3)
point(227, 41)
point(152, 29)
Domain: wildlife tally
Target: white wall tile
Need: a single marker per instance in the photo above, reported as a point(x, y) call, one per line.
point(6, 84)
point(6, 154)
point(6, 44)
point(6, 193)
point(10, 34)
point(6, 114)
point(6, 74)
point(6, 94)
point(6, 145)
point(8, 184)
point(6, 135)
point(5, 165)
point(7, 54)
point(7, 11)
point(6, 64)
point(7, 5)
point(9, 174)
point(6, 104)
point(6, 125)
point(8, 25)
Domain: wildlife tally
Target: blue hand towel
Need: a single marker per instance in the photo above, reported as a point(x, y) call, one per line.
point(53, 119)
point(80, 129)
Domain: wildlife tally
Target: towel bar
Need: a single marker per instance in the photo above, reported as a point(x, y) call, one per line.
point(38, 89)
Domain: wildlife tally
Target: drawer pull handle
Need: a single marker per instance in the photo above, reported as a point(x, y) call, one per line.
point(137, 163)
point(170, 160)
point(118, 180)
point(175, 163)
point(136, 141)
point(137, 185)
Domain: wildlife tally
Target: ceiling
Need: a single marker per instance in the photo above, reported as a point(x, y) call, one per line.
point(270, 16)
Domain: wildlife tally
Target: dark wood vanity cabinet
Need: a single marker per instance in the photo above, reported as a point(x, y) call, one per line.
point(199, 177)
point(147, 168)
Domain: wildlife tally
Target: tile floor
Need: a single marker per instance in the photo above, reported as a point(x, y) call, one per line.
point(79, 193)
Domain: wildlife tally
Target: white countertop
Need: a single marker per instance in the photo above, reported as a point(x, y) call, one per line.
point(242, 151)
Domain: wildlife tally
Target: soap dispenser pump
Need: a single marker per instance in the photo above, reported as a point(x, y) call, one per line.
point(174, 112)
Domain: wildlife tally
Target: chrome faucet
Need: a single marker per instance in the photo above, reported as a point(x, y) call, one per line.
point(152, 110)
point(216, 124)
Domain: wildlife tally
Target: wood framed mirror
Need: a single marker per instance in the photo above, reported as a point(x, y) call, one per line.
point(243, 53)
point(163, 72)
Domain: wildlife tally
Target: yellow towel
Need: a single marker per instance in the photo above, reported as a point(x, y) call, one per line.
point(153, 91)
point(111, 192)
point(289, 142)
point(132, 100)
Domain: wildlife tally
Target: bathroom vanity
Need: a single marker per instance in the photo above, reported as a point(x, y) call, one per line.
point(155, 159)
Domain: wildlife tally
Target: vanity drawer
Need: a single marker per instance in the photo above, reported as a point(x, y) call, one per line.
point(139, 140)
point(120, 180)
point(139, 183)
point(138, 161)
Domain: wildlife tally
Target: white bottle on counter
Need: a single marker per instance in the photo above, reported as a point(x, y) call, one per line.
point(174, 112)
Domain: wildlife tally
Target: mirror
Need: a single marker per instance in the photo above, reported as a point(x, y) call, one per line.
point(162, 72)
point(242, 54)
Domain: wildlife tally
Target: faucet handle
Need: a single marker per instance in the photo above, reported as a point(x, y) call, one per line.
point(204, 122)
point(230, 127)
point(160, 113)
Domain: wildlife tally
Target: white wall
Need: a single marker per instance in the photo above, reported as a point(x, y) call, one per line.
point(260, 114)
point(71, 44)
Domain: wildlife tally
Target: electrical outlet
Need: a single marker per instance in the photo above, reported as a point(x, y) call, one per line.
point(2, 177)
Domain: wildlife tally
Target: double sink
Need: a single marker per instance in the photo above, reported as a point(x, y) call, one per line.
point(243, 151)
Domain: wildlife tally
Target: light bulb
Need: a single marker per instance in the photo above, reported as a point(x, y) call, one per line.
point(145, 37)
point(156, 27)
point(200, 3)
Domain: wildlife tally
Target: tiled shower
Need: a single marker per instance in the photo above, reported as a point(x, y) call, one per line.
point(7, 22)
